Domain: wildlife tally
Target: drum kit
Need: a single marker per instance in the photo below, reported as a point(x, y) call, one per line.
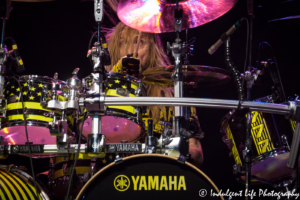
point(105, 156)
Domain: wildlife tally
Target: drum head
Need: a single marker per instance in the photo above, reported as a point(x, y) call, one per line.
point(115, 129)
point(36, 135)
point(149, 176)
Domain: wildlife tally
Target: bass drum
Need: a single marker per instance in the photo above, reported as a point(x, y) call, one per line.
point(149, 176)
point(16, 184)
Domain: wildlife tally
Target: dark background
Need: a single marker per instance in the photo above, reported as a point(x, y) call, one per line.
point(53, 37)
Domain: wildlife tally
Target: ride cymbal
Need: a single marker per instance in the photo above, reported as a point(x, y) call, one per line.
point(193, 76)
point(157, 16)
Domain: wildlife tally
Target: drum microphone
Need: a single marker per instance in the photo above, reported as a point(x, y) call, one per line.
point(225, 36)
point(20, 67)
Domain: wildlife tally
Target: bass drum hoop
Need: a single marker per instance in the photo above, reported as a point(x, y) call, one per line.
point(79, 196)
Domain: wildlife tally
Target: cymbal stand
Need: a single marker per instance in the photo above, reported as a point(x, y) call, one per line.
point(4, 54)
point(249, 78)
point(177, 51)
point(96, 140)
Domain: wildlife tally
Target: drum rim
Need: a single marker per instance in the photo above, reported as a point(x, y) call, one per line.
point(269, 154)
point(21, 123)
point(146, 155)
point(34, 77)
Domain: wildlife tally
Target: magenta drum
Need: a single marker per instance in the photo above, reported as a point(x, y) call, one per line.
point(36, 91)
point(120, 123)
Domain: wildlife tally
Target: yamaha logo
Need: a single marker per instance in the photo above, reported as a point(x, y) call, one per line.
point(147, 183)
point(121, 183)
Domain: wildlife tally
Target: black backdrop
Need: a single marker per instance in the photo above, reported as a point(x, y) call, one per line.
point(53, 37)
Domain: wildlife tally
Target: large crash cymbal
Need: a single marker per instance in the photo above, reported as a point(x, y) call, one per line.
point(193, 76)
point(157, 16)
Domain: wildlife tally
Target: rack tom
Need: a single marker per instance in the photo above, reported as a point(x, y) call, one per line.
point(270, 144)
point(36, 91)
point(120, 123)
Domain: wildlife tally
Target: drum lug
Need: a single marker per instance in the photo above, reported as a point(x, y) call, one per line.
point(26, 112)
point(181, 159)
point(93, 165)
point(3, 103)
point(118, 160)
point(237, 170)
point(245, 153)
point(285, 142)
point(86, 177)
point(65, 168)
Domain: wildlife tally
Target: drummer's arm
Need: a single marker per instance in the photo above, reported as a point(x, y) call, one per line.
point(196, 151)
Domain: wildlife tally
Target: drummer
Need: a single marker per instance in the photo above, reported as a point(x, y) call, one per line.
point(122, 41)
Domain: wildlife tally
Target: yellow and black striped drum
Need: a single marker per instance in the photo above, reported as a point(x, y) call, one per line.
point(85, 167)
point(120, 123)
point(18, 185)
point(35, 89)
point(270, 143)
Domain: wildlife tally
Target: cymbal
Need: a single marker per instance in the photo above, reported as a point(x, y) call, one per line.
point(157, 16)
point(193, 76)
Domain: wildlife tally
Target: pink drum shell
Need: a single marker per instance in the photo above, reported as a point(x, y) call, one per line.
point(273, 168)
point(37, 135)
point(115, 129)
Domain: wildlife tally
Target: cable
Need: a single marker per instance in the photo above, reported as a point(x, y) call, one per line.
point(276, 64)
point(10, 38)
point(74, 164)
point(245, 63)
point(29, 150)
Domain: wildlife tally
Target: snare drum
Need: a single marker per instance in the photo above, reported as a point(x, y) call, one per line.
point(120, 123)
point(149, 176)
point(270, 149)
point(35, 90)
point(16, 184)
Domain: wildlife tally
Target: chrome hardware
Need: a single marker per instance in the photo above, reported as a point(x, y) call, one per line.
point(285, 142)
point(74, 85)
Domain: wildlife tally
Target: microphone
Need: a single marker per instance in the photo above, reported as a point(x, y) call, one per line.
point(20, 67)
point(98, 10)
point(225, 36)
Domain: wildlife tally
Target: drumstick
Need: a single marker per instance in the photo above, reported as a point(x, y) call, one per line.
point(137, 44)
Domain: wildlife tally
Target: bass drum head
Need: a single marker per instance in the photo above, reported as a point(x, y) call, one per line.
point(149, 176)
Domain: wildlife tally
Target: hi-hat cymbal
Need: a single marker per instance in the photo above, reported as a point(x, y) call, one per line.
point(193, 76)
point(157, 16)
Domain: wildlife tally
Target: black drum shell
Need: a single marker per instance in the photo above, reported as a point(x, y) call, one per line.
point(103, 183)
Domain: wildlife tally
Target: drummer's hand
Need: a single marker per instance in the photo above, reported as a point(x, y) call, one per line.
point(129, 65)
